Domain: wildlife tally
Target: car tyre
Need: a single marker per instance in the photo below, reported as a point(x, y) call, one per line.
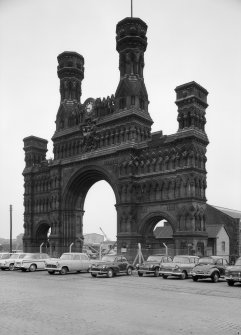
point(195, 278)
point(164, 276)
point(63, 270)
point(140, 274)
point(215, 277)
point(32, 268)
point(230, 282)
point(94, 275)
point(156, 272)
point(51, 272)
point(129, 271)
point(110, 273)
point(11, 267)
point(184, 275)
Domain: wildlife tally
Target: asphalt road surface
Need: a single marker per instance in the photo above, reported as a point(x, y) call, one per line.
point(39, 303)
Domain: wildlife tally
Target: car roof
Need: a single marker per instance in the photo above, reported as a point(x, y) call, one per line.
point(74, 253)
point(190, 256)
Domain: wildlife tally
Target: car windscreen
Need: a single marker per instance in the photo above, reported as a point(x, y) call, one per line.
point(66, 257)
point(183, 260)
point(238, 262)
point(154, 258)
point(108, 258)
point(206, 260)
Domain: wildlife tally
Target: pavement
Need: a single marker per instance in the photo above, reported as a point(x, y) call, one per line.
point(39, 303)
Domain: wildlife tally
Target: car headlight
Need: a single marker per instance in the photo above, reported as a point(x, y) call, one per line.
point(137, 266)
point(57, 264)
point(176, 267)
point(104, 267)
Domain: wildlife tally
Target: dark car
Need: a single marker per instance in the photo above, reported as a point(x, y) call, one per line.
point(233, 273)
point(111, 265)
point(210, 267)
point(152, 265)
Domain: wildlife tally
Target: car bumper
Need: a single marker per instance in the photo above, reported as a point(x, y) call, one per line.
point(170, 273)
point(200, 275)
point(53, 269)
point(146, 271)
point(3, 267)
point(233, 278)
point(99, 272)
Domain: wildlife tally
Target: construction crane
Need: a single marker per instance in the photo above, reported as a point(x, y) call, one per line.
point(107, 239)
point(105, 236)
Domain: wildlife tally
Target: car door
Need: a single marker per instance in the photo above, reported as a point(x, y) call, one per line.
point(85, 262)
point(220, 266)
point(124, 263)
point(76, 263)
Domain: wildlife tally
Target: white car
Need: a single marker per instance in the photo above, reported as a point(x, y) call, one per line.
point(32, 262)
point(69, 262)
point(9, 262)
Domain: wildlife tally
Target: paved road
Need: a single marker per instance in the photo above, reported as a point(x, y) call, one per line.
point(37, 303)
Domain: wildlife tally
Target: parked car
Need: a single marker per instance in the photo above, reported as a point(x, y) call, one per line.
point(31, 262)
point(181, 266)
point(69, 262)
point(9, 262)
point(233, 273)
point(152, 265)
point(111, 265)
point(210, 267)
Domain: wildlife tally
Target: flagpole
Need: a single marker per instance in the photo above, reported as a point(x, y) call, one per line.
point(131, 9)
point(10, 247)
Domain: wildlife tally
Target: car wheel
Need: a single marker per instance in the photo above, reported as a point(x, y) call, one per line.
point(215, 277)
point(164, 276)
point(11, 267)
point(230, 282)
point(129, 271)
point(51, 272)
point(140, 274)
point(63, 270)
point(32, 268)
point(184, 275)
point(195, 278)
point(110, 273)
point(93, 275)
point(156, 273)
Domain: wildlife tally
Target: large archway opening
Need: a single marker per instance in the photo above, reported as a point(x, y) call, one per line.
point(100, 219)
point(89, 200)
point(157, 230)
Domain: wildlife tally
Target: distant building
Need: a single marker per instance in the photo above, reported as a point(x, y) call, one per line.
point(224, 234)
point(93, 238)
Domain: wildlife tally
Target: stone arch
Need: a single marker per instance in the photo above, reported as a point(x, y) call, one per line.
point(150, 220)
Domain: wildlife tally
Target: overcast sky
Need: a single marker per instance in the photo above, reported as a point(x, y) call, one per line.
point(187, 40)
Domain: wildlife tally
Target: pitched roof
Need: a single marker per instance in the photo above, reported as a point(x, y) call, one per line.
point(231, 212)
point(163, 232)
point(213, 230)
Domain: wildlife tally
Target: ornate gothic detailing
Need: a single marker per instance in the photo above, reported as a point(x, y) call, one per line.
point(191, 102)
point(192, 218)
point(172, 159)
point(70, 73)
point(35, 150)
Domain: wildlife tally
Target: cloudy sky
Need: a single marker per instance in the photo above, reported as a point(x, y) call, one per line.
point(187, 40)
